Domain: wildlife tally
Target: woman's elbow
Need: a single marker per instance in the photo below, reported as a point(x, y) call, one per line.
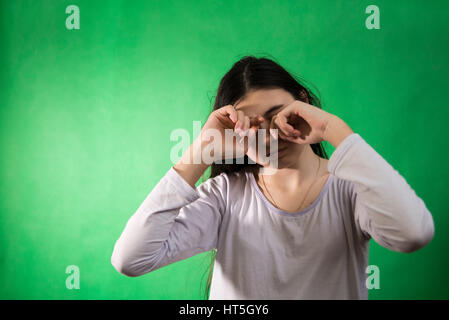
point(419, 238)
point(124, 266)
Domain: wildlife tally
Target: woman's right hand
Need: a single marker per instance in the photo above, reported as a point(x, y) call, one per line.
point(201, 155)
point(240, 128)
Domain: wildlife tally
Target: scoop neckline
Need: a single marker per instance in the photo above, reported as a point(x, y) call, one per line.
point(286, 213)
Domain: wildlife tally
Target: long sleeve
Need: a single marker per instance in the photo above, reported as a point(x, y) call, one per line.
point(175, 222)
point(386, 207)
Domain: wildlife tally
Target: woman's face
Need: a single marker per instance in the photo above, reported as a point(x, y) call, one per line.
point(267, 103)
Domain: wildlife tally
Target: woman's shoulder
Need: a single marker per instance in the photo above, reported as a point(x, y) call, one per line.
point(340, 183)
point(224, 183)
point(341, 190)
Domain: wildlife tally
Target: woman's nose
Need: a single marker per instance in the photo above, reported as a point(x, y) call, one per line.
point(265, 124)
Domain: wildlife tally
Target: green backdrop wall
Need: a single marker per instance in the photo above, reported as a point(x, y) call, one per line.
point(86, 117)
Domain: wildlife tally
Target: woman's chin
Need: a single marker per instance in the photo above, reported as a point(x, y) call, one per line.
point(275, 161)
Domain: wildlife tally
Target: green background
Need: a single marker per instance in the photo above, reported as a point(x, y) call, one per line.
point(86, 117)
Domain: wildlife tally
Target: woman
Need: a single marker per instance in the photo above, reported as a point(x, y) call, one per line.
point(300, 232)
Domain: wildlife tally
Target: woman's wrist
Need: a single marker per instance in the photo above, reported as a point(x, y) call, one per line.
point(191, 173)
point(191, 165)
point(336, 131)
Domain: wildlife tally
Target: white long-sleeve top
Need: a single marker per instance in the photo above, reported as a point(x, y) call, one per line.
point(320, 252)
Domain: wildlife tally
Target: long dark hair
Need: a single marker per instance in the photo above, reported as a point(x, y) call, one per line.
point(252, 73)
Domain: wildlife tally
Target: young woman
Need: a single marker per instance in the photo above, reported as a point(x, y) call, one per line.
point(301, 232)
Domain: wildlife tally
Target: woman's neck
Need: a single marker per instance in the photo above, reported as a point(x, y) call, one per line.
point(299, 169)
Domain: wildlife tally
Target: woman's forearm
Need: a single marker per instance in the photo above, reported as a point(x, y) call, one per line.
point(191, 166)
point(336, 131)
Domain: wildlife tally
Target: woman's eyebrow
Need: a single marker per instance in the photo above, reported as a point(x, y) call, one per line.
point(273, 108)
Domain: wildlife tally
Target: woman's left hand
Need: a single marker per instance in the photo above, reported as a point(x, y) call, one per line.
point(301, 123)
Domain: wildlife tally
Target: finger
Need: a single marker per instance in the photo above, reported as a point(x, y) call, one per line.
point(285, 137)
point(251, 141)
point(252, 132)
point(240, 122)
point(245, 127)
point(292, 139)
point(282, 123)
point(256, 121)
point(250, 128)
point(247, 123)
point(228, 111)
point(277, 123)
point(243, 131)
